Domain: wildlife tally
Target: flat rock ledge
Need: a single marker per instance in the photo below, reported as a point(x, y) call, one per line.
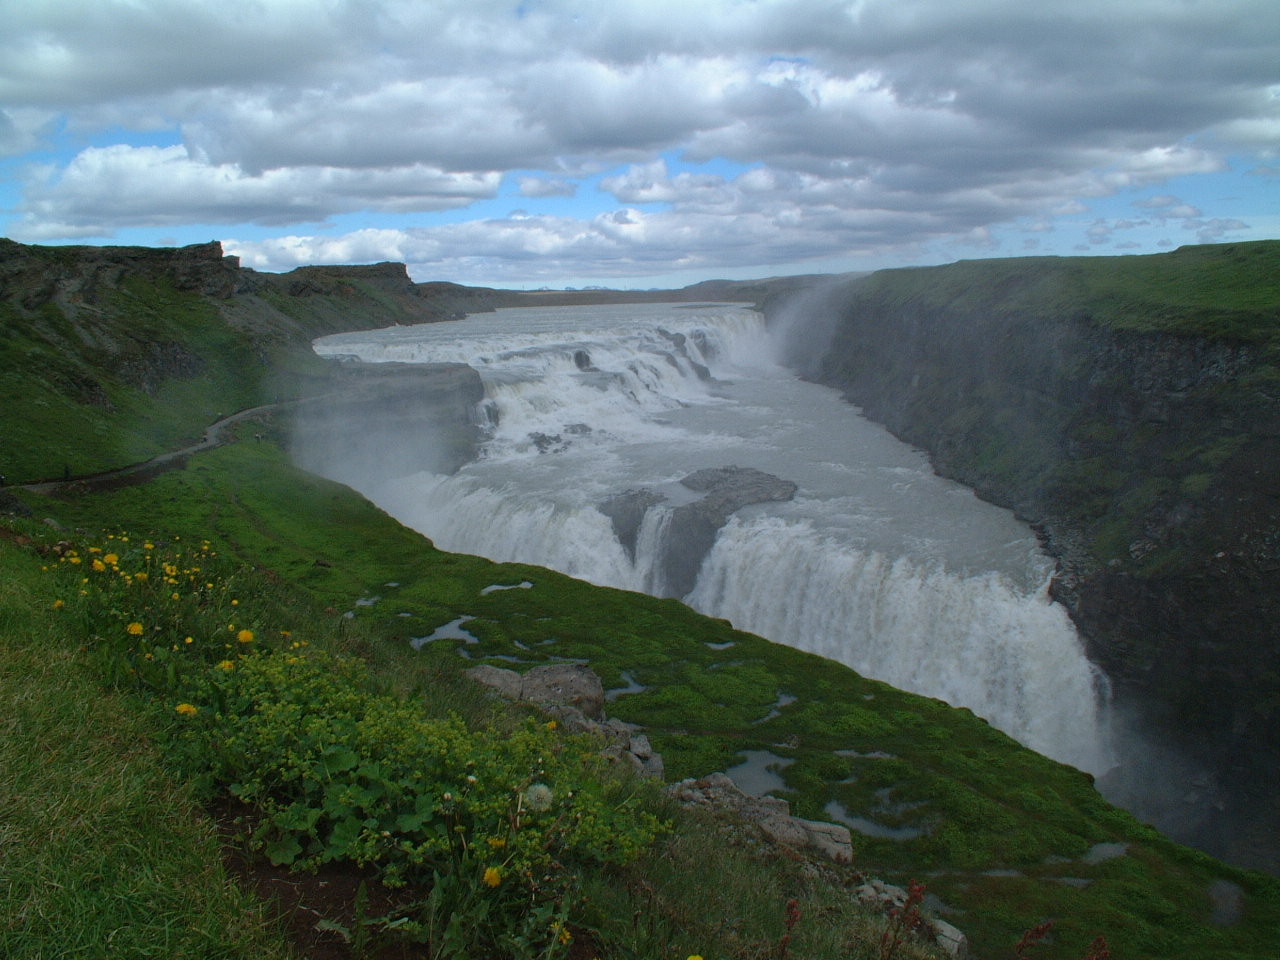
point(574, 696)
point(771, 816)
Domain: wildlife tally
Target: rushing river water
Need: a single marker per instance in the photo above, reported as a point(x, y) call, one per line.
point(876, 562)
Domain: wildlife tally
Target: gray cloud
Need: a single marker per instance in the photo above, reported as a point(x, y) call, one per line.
point(879, 124)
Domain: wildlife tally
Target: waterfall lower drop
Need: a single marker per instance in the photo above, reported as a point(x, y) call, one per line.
point(875, 562)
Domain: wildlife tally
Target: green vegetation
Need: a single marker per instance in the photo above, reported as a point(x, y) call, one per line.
point(1219, 290)
point(300, 715)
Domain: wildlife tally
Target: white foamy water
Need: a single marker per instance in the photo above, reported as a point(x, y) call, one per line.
point(876, 563)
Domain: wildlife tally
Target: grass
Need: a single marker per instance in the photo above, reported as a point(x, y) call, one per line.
point(102, 851)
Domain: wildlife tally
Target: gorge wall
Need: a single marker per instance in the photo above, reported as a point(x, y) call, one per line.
point(1129, 408)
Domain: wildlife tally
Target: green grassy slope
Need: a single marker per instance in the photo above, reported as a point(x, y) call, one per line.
point(1003, 834)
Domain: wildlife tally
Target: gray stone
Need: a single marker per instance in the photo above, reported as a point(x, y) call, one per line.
point(830, 839)
point(565, 683)
point(505, 682)
point(952, 941)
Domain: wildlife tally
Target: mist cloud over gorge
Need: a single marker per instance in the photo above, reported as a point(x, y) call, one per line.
point(504, 142)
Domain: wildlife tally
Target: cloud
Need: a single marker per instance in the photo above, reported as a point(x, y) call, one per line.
point(1210, 230)
point(547, 187)
point(882, 124)
point(106, 188)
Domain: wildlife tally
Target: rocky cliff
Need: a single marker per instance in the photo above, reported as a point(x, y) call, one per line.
point(1130, 409)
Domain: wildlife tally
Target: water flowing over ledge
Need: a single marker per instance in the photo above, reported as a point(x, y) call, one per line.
point(876, 563)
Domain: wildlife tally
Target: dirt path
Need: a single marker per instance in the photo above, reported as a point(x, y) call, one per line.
point(215, 435)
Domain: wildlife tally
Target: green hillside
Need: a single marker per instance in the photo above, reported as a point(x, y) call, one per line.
point(237, 543)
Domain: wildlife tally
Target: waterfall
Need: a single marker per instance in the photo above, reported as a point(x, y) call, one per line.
point(875, 562)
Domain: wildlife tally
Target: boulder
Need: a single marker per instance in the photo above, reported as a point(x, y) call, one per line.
point(571, 684)
point(574, 696)
point(771, 816)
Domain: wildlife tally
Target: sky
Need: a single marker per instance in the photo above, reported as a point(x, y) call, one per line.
point(640, 143)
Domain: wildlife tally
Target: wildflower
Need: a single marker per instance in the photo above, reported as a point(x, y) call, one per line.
point(175, 596)
point(73, 559)
point(141, 575)
point(497, 843)
point(134, 629)
point(111, 559)
point(226, 665)
point(551, 725)
point(245, 636)
point(98, 565)
point(186, 710)
point(538, 797)
point(148, 545)
point(189, 640)
point(492, 876)
point(59, 604)
point(562, 933)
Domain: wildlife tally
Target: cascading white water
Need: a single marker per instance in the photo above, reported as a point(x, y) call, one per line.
point(876, 563)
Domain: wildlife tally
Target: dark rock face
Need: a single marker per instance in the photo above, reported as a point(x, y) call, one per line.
point(693, 526)
point(626, 511)
point(1150, 463)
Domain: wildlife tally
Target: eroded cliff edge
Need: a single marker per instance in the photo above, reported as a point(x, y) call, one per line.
point(1129, 408)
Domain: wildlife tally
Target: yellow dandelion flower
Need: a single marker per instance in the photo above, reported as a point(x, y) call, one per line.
point(175, 596)
point(497, 842)
point(189, 640)
point(111, 559)
point(59, 604)
point(141, 575)
point(226, 665)
point(551, 725)
point(135, 629)
point(148, 545)
point(235, 603)
point(95, 549)
point(73, 559)
point(564, 936)
point(245, 636)
point(99, 566)
point(492, 876)
point(186, 710)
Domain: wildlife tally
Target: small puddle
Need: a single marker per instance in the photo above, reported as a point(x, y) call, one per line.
point(870, 828)
point(495, 587)
point(1102, 852)
point(450, 631)
point(784, 699)
point(631, 687)
point(722, 646)
point(758, 774)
